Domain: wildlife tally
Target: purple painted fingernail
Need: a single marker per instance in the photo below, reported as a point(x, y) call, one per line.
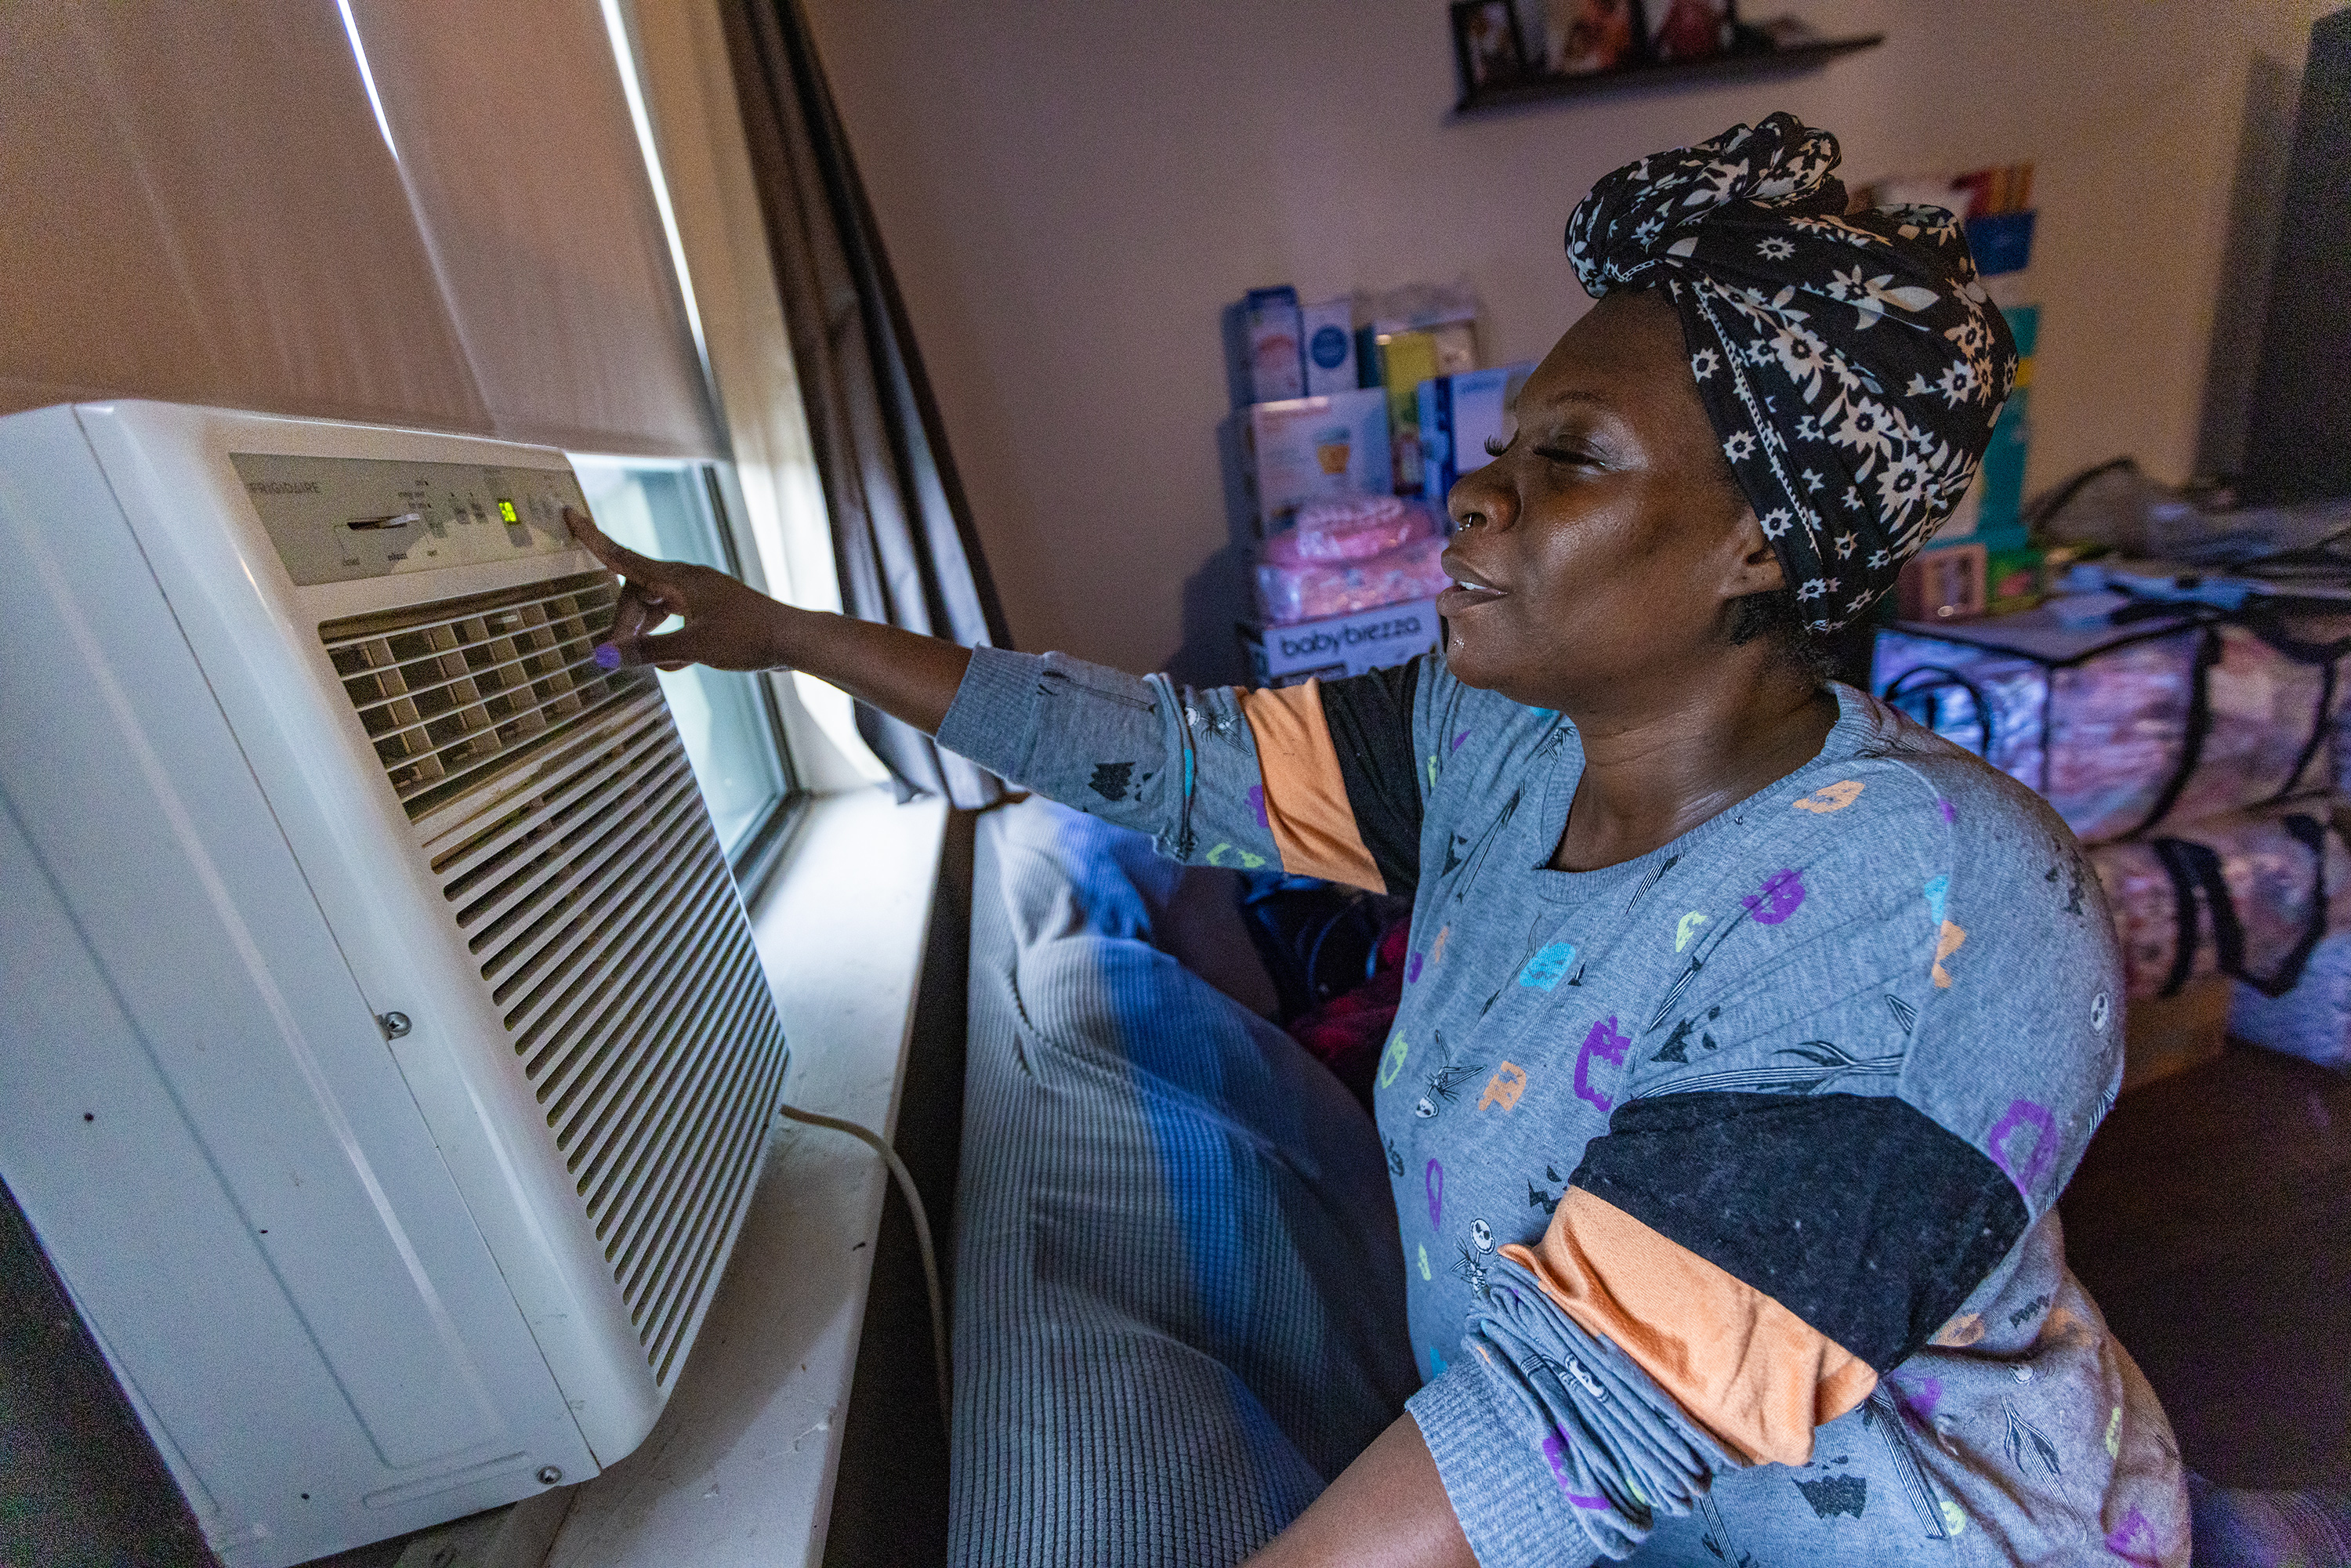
point(607, 656)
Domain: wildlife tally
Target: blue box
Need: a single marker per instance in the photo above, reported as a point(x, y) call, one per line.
point(2011, 433)
point(2002, 243)
point(1459, 414)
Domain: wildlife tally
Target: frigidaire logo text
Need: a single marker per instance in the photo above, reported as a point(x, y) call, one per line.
point(283, 486)
point(1349, 636)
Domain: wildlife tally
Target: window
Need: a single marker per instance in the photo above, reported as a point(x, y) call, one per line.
point(728, 720)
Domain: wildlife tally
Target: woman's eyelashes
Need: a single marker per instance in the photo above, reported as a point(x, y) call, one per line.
point(1561, 449)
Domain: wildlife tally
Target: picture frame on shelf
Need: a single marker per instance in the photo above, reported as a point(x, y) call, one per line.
point(1585, 37)
point(1690, 29)
point(1571, 50)
point(1486, 45)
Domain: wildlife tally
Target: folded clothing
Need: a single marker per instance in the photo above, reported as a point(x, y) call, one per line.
point(2249, 893)
point(2168, 717)
point(1310, 590)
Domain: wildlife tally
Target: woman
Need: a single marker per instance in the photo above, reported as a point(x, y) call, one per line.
point(1748, 1033)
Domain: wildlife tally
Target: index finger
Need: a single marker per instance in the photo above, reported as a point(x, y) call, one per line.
point(611, 553)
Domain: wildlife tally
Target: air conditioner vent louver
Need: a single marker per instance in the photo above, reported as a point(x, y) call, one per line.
point(453, 694)
point(600, 909)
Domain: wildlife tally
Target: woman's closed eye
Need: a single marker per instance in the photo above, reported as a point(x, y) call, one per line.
point(1556, 452)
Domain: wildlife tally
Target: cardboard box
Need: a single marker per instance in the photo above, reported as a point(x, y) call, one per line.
point(1263, 357)
point(1328, 332)
point(1458, 415)
point(1945, 582)
point(1400, 362)
point(1341, 645)
point(2011, 436)
point(1312, 448)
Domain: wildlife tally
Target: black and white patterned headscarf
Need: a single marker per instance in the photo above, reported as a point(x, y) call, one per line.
point(1852, 365)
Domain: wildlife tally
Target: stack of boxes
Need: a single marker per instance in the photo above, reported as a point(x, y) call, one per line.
point(1352, 419)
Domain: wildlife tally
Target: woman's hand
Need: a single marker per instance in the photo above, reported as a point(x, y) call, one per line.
point(728, 626)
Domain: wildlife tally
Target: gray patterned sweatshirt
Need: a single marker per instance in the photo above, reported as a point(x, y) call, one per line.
point(1727, 1176)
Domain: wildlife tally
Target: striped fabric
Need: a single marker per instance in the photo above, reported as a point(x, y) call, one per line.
point(1177, 1306)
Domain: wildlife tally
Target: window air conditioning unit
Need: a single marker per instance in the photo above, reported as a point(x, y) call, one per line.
point(388, 1065)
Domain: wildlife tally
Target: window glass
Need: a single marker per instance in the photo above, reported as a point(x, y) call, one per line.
point(724, 717)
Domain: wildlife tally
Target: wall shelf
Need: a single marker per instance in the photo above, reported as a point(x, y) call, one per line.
point(1724, 67)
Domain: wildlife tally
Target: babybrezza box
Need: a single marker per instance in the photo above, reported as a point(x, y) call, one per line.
point(1341, 645)
point(1316, 448)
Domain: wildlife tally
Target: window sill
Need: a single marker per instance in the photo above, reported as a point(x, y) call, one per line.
point(740, 1468)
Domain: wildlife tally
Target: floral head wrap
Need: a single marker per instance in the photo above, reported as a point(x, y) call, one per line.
point(1852, 364)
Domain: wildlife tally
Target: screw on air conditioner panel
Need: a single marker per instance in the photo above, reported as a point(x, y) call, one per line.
point(548, 1475)
point(394, 1025)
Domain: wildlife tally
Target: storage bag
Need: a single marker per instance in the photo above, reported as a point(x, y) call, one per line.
point(2248, 893)
point(2168, 714)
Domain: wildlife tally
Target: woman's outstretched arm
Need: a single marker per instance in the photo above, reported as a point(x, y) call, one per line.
point(1322, 780)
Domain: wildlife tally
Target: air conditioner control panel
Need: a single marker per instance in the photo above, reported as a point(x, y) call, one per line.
point(338, 519)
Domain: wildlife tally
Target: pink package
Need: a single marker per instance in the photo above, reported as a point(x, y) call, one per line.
point(2100, 719)
point(1352, 528)
point(2252, 881)
point(1289, 592)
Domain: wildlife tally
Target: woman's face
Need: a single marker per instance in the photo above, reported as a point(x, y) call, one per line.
point(1596, 551)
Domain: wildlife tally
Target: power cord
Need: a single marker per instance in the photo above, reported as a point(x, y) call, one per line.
point(922, 1236)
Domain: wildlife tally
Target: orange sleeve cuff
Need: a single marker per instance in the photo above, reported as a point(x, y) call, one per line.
point(1757, 1376)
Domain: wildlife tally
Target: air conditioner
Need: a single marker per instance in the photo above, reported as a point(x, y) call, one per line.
point(387, 1062)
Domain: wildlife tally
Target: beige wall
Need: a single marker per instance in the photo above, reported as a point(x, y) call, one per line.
point(1069, 193)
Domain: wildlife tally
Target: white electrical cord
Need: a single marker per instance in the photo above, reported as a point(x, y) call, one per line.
point(922, 1236)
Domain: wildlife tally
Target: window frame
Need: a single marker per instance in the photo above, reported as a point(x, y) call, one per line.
point(760, 849)
point(755, 858)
